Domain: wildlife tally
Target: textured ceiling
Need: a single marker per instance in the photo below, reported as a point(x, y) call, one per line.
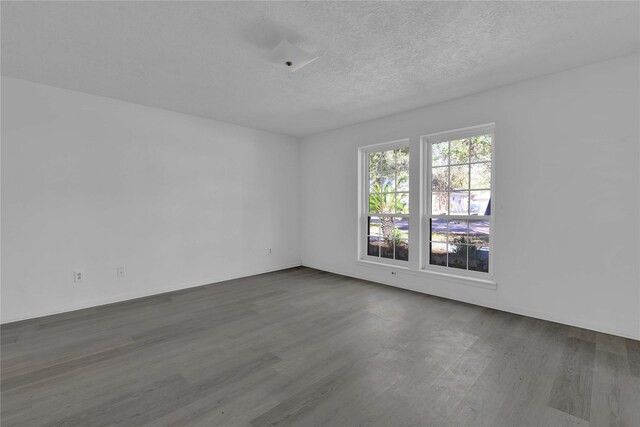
point(376, 58)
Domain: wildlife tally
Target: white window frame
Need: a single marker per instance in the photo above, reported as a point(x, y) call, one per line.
point(363, 206)
point(426, 143)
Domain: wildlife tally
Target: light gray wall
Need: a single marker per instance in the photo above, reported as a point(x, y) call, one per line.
point(567, 183)
point(92, 184)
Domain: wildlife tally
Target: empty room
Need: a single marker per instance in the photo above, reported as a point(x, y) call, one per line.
point(349, 213)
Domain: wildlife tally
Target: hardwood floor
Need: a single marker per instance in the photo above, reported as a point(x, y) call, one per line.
point(305, 347)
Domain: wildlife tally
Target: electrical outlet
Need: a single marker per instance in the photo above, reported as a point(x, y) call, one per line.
point(78, 276)
point(120, 272)
point(269, 251)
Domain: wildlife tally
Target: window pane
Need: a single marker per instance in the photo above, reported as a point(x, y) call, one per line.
point(440, 179)
point(481, 175)
point(459, 177)
point(460, 172)
point(402, 203)
point(439, 203)
point(402, 158)
point(387, 161)
point(374, 162)
point(438, 255)
point(402, 180)
point(387, 229)
point(438, 230)
point(389, 203)
point(388, 182)
point(373, 246)
point(459, 151)
point(374, 182)
point(440, 154)
point(388, 174)
point(458, 256)
point(458, 231)
point(402, 227)
point(479, 232)
point(402, 250)
point(386, 248)
point(375, 202)
point(459, 203)
point(481, 148)
point(480, 202)
point(373, 228)
point(382, 202)
point(479, 258)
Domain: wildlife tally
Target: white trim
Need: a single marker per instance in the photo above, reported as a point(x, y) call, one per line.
point(580, 322)
point(426, 142)
point(363, 198)
point(459, 279)
point(387, 262)
point(418, 263)
point(473, 275)
point(391, 215)
point(385, 146)
point(460, 133)
point(147, 294)
point(454, 217)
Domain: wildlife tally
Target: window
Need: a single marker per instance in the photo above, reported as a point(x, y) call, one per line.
point(450, 228)
point(459, 190)
point(386, 202)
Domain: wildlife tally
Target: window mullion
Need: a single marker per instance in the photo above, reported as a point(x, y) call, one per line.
point(478, 255)
point(388, 200)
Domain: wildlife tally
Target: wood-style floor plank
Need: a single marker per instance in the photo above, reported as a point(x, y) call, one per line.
point(571, 392)
point(306, 347)
point(613, 392)
point(633, 355)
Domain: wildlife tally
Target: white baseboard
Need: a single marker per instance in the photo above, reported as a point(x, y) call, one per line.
point(135, 296)
point(523, 311)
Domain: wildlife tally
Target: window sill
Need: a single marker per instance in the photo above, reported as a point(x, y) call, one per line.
point(385, 265)
point(457, 278)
